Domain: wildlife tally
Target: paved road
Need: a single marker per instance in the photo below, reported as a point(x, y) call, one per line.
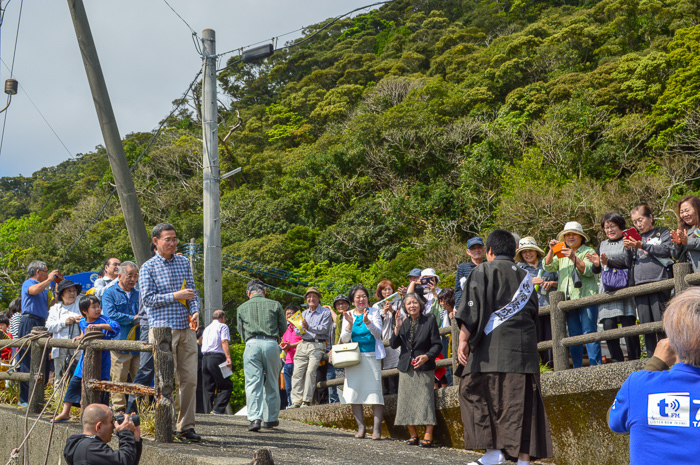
point(294, 443)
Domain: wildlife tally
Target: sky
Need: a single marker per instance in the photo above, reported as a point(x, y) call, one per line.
point(147, 57)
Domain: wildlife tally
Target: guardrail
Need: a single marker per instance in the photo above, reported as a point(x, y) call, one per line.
point(682, 279)
point(92, 368)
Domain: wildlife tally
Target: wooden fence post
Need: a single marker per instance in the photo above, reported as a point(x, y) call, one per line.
point(455, 347)
point(164, 366)
point(36, 370)
point(680, 271)
point(92, 369)
point(560, 354)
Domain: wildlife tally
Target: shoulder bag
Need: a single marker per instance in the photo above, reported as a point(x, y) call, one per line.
point(345, 355)
point(614, 279)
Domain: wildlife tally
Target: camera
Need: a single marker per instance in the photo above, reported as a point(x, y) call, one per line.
point(118, 419)
point(425, 281)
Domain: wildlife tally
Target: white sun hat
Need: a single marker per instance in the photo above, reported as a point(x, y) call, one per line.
point(572, 227)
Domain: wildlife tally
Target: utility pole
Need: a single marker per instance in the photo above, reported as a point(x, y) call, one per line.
point(213, 299)
point(140, 242)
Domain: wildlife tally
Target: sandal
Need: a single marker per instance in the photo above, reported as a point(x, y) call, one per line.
point(428, 443)
point(413, 441)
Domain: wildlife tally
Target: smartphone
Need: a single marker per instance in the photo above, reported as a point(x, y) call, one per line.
point(632, 233)
point(557, 249)
point(425, 281)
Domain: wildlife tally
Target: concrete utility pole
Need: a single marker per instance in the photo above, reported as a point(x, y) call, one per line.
point(140, 241)
point(212, 219)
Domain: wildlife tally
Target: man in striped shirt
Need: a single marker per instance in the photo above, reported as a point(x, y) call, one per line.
point(162, 295)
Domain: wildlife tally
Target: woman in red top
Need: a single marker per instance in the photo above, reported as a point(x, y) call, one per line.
point(290, 341)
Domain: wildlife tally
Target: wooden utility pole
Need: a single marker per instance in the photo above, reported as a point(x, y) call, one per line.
point(140, 242)
point(213, 299)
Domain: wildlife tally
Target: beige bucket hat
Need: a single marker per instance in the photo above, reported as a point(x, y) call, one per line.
point(527, 243)
point(572, 227)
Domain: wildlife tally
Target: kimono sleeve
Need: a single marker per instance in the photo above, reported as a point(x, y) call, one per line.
point(472, 306)
point(618, 415)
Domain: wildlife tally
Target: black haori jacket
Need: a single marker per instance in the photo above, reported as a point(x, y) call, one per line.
point(512, 346)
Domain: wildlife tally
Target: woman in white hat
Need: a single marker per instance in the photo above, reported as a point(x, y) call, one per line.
point(529, 258)
point(583, 320)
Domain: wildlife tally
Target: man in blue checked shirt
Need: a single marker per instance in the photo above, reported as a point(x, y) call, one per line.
point(162, 293)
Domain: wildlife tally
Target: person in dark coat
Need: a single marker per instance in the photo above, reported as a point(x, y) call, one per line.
point(419, 340)
point(92, 447)
point(500, 399)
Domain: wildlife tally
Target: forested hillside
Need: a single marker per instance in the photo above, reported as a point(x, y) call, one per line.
point(388, 139)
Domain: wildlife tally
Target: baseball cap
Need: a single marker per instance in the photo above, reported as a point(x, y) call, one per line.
point(414, 273)
point(474, 241)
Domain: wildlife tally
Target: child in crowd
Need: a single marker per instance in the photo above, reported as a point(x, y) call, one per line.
point(91, 309)
point(6, 353)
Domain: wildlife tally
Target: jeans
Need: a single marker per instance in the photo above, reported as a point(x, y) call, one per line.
point(288, 370)
point(584, 321)
point(332, 391)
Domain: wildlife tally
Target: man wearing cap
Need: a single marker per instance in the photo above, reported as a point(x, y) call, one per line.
point(413, 277)
point(316, 322)
point(475, 250)
point(261, 324)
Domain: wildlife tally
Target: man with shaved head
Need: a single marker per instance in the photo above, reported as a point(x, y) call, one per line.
point(92, 447)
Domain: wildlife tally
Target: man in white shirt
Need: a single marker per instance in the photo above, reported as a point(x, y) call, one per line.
point(215, 348)
point(110, 278)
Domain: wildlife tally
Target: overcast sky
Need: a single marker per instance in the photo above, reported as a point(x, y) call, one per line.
point(147, 57)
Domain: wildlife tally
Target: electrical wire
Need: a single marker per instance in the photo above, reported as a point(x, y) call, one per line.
point(26, 94)
point(12, 71)
point(296, 44)
point(194, 33)
point(94, 220)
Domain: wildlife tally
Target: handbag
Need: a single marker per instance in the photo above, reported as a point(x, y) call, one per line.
point(576, 278)
point(346, 355)
point(614, 279)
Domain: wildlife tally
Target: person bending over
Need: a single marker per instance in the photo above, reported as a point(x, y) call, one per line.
point(92, 447)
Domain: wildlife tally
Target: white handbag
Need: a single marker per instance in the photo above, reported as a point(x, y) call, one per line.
point(345, 355)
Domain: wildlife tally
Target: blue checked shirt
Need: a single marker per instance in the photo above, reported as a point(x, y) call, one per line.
point(158, 280)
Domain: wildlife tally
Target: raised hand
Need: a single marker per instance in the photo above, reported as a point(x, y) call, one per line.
point(594, 258)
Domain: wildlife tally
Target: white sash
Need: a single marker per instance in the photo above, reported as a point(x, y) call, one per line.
point(521, 297)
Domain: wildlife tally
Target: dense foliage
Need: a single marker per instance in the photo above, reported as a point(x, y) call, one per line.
point(390, 138)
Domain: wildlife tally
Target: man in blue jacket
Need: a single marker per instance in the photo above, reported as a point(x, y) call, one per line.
point(121, 303)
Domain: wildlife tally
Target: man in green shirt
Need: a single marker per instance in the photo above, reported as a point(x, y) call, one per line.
point(261, 324)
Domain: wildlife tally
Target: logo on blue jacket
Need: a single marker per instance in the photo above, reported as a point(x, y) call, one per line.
point(669, 409)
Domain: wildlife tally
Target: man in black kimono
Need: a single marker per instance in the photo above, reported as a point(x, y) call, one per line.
point(500, 398)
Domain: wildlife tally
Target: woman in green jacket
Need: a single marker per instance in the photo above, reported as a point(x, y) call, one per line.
point(583, 320)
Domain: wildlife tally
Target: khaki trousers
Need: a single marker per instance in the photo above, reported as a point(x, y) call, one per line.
point(123, 365)
point(184, 348)
point(306, 360)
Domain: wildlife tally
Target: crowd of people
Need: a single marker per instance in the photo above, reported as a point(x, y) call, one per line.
point(495, 301)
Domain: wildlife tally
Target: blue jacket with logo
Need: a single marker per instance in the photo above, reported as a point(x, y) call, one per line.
point(661, 411)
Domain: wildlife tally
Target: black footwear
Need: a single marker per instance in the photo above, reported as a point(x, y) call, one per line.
point(413, 441)
point(426, 443)
point(189, 435)
point(270, 424)
point(254, 425)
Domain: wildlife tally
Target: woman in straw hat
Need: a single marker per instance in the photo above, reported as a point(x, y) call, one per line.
point(529, 258)
point(576, 280)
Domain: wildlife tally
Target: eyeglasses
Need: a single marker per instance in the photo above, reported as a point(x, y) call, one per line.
point(170, 240)
point(639, 220)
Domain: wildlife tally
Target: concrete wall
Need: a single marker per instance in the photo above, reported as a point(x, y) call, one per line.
point(577, 402)
point(12, 432)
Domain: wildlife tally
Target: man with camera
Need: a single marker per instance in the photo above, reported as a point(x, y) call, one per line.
point(92, 447)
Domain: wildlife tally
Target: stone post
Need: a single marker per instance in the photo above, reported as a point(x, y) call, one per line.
point(164, 365)
point(560, 354)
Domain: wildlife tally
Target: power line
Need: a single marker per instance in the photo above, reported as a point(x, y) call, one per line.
point(94, 220)
point(12, 71)
point(296, 44)
point(26, 94)
point(194, 33)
